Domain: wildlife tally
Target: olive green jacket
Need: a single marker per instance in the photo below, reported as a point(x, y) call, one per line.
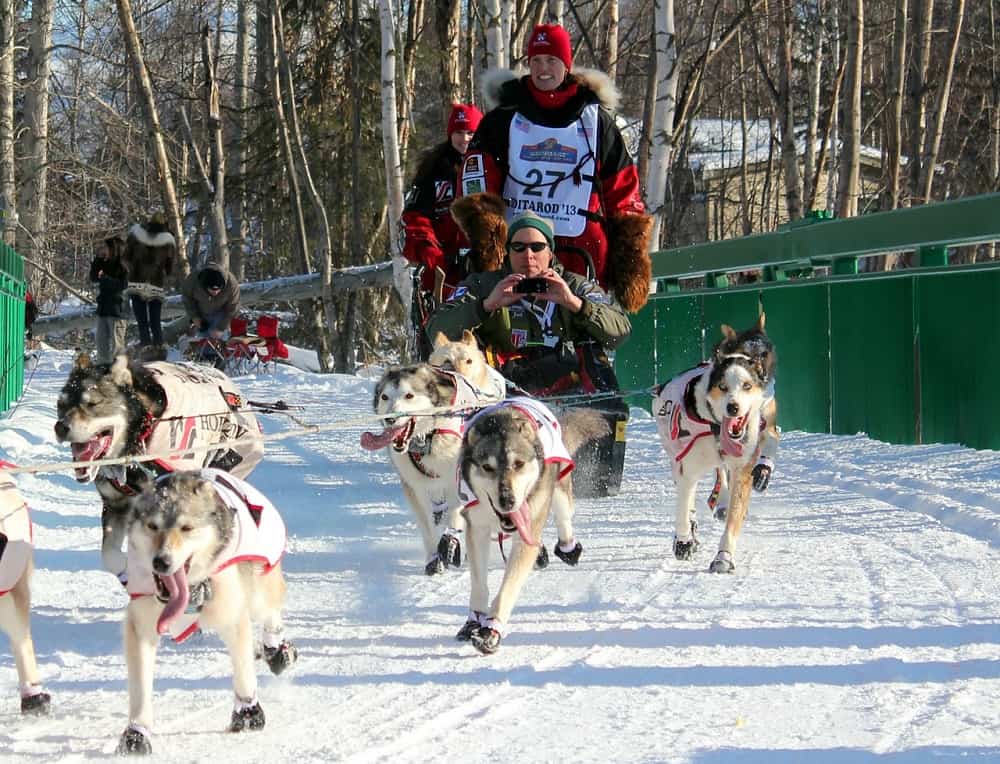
point(514, 327)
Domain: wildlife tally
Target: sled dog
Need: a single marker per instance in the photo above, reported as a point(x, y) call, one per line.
point(15, 593)
point(106, 412)
point(423, 448)
point(516, 461)
point(204, 549)
point(721, 415)
point(465, 357)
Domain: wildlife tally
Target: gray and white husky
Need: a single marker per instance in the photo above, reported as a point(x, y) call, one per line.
point(722, 416)
point(124, 409)
point(205, 550)
point(15, 592)
point(515, 464)
point(423, 447)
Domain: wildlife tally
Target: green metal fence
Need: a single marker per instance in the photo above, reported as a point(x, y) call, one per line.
point(12, 291)
point(906, 356)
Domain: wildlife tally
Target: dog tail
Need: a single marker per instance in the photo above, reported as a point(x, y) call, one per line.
point(580, 426)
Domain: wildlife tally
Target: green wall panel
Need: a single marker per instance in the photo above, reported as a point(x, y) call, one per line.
point(634, 359)
point(797, 324)
point(738, 309)
point(871, 335)
point(958, 316)
point(678, 335)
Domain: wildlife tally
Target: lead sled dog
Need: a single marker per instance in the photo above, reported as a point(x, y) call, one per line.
point(15, 592)
point(205, 550)
point(721, 415)
point(124, 409)
point(515, 465)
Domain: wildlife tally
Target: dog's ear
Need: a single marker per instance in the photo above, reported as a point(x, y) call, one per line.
point(440, 339)
point(82, 361)
point(120, 373)
point(469, 338)
point(728, 332)
point(760, 322)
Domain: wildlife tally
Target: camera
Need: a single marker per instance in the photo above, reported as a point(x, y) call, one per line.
point(531, 286)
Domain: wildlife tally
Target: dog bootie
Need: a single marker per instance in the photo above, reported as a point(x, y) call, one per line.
point(36, 704)
point(542, 561)
point(471, 626)
point(762, 473)
point(486, 640)
point(450, 549)
point(723, 563)
point(134, 741)
point(281, 657)
point(434, 566)
point(247, 717)
point(572, 557)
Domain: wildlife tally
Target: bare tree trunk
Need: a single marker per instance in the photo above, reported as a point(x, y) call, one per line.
point(932, 143)
point(814, 71)
point(241, 142)
point(496, 48)
point(894, 123)
point(609, 61)
point(786, 110)
point(212, 175)
point(834, 131)
point(166, 179)
point(36, 133)
point(447, 17)
point(662, 134)
point(414, 24)
point(849, 181)
point(556, 11)
point(648, 108)
point(8, 189)
point(923, 13)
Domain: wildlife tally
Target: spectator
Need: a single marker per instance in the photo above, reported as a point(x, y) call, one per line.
point(551, 146)
point(211, 299)
point(30, 312)
point(150, 251)
point(108, 272)
point(549, 341)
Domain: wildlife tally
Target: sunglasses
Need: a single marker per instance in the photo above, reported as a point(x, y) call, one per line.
point(534, 246)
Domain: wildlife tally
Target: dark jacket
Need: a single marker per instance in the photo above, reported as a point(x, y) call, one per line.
point(149, 256)
point(199, 304)
point(111, 278)
point(525, 352)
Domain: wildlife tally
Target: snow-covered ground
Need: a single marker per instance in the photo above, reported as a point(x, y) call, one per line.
point(861, 623)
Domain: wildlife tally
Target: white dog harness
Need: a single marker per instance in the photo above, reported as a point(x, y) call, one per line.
point(15, 527)
point(546, 427)
point(258, 536)
point(679, 427)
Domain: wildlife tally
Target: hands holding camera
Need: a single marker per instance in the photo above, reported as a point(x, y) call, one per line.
point(556, 290)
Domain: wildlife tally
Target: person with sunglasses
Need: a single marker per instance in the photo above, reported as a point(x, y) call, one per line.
point(550, 144)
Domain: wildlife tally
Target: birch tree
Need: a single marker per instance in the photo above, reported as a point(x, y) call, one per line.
point(661, 135)
point(849, 179)
point(8, 198)
point(240, 146)
point(496, 50)
point(165, 178)
point(35, 139)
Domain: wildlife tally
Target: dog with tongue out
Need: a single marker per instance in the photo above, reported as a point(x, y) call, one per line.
point(205, 550)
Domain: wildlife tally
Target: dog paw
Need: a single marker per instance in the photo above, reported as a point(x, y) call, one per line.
point(542, 561)
point(721, 512)
point(281, 657)
point(470, 627)
point(572, 557)
point(723, 563)
point(684, 549)
point(761, 476)
point(450, 550)
point(248, 718)
point(434, 566)
point(485, 640)
point(36, 705)
point(134, 742)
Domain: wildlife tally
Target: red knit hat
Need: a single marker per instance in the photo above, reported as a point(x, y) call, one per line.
point(551, 40)
point(464, 116)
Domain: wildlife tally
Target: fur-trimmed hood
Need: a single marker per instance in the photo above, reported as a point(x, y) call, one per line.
point(499, 87)
point(160, 239)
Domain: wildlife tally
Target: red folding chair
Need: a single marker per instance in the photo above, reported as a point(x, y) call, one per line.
point(274, 348)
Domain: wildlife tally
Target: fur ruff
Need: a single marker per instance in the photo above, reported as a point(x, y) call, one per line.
point(492, 83)
point(162, 239)
point(629, 266)
point(481, 218)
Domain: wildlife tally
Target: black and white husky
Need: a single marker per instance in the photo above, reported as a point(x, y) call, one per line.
point(721, 416)
point(423, 446)
point(205, 550)
point(515, 464)
point(105, 412)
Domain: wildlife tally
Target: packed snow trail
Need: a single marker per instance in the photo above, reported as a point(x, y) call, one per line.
point(860, 625)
